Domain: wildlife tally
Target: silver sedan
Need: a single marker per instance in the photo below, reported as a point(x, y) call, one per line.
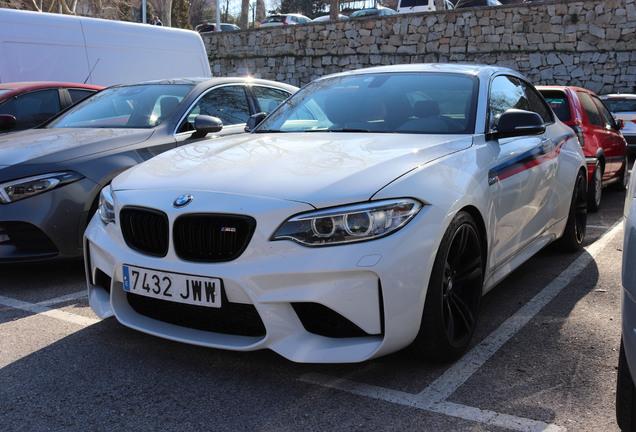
point(50, 177)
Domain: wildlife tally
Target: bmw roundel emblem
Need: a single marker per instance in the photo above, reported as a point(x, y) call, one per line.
point(182, 201)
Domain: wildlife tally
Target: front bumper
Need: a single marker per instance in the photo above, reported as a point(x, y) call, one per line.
point(333, 304)
point(48, 225)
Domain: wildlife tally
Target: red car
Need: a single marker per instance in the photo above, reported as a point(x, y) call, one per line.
point(24, 105)
point(599, 134)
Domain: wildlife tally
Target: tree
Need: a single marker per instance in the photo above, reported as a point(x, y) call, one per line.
point(180, 14)
point(245, 14)
point(334, 9)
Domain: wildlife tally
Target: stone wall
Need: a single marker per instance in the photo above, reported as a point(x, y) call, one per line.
point(591, 44)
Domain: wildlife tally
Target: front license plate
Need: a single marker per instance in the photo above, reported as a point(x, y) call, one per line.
point(174, 287)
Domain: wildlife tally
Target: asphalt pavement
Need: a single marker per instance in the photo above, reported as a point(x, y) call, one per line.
point(544, 359)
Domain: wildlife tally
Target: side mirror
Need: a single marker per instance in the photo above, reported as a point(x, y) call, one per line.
point(620, 124)
point(515, 122)
point(7, 122)
point(254, 120)
point(205, 124)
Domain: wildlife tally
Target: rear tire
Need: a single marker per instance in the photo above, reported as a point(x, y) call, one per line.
point(454, 293)
point(625, 395)
point(574, 233)
point(595, 189)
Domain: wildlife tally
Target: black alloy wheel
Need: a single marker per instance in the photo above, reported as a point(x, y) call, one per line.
point(454, 293)
point(574, 233)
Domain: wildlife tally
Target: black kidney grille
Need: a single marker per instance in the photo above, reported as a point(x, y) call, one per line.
point(145, 230)
point(212, 237)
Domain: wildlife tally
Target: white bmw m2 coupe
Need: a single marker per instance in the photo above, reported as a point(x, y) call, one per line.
point(368, 213)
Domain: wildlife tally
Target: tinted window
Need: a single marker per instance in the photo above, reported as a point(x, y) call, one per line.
point(426, 103)
point(135, 106)
point(506, 93)
point(592, 112)
point(227, 103)
point(537, 103)
point(413, 3)
point(558, 101)
point(274, 19)
point(269, 98)
point(33, 108)
point(79, 94)
point(621, 105)
point(607, 116)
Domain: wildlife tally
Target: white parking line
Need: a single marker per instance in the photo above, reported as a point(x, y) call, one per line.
point(433, 398)
point(64, 298)
point(41, 308)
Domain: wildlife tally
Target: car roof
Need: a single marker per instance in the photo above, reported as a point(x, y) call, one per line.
point(36, 85)
point(618, 96)
point(468, 69)
point(564, 88)
point(196, 81)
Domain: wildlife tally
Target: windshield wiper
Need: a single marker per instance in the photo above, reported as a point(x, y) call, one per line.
point(269, 131)
point(348, 130)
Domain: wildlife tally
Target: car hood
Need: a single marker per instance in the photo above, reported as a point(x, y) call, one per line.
point(316, 168)
point(40, 146)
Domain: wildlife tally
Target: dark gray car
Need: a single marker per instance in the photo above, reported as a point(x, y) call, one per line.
point(50, 177)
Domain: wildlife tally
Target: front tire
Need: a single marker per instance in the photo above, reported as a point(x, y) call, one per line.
point(454, 293)
point(574, 233)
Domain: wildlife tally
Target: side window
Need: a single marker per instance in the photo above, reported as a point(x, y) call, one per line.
point(31, 109)
point(79, 94)
point(269, 98)
point(227, 103)
point(506, 92)
point(607, 116)
point(593, 115)
point(537, 103)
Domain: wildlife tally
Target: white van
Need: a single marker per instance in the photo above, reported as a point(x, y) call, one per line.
point(412, 6)
point(36, 46)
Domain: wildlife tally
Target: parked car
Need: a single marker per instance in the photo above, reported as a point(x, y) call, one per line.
point(210, 27)
point(328, 17)
point(50, 177)
point(599, 135)
point(476, 3)
point(414, 6)
point(24, 105)
point(284, 19)
point(376, 11)
point(368, 213)
point(626, 379)
point(623, 106)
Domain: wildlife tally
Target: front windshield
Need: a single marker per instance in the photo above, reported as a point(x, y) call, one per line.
point(137, 106)
point(423, 103)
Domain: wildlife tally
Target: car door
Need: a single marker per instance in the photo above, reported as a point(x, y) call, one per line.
point(616, 150)
point(522, 173)
point(229, 103)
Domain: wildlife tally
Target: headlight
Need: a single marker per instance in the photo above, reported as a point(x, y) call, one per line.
point(16, 190)
point(106, 208)
point(348, 224)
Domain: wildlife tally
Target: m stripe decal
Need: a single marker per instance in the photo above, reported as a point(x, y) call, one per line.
point(527, 160)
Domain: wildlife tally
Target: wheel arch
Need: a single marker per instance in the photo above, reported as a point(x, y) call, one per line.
point(481, 226)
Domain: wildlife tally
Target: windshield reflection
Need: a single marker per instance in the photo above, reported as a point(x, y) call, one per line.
point(138, 106)
point(424, 103)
